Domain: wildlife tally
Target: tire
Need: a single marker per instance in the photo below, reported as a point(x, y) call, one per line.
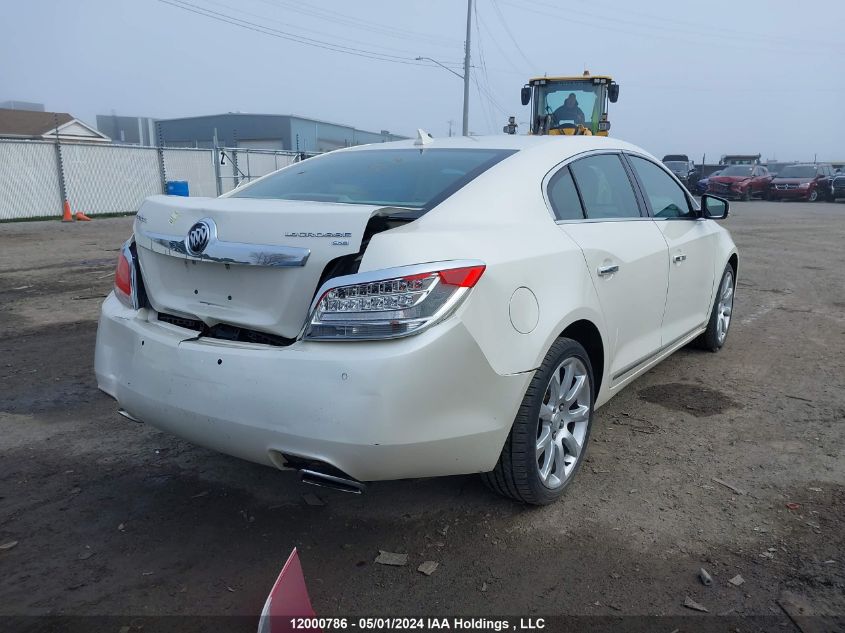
point(518, 473)
point(714, 337)
point(814, 196)
point(746, 195)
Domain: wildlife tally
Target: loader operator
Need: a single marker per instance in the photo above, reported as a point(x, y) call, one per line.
point(569, 111)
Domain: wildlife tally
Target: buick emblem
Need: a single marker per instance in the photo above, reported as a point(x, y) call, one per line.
point(199, 236)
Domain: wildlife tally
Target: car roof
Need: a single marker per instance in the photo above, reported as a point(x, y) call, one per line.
point(560, 145)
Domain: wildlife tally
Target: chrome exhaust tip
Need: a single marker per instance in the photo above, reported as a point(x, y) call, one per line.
point(129, 416)
point(343, 484)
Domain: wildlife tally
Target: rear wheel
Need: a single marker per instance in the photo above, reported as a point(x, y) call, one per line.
point(549, 437)
point(720, 317)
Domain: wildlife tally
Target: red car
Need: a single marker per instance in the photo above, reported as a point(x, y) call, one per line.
point(741, 182)
point(802, 182)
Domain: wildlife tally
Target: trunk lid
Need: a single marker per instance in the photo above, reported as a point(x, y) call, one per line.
point(271, 293)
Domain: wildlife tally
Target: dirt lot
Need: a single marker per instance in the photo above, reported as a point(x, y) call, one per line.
point(112, 517)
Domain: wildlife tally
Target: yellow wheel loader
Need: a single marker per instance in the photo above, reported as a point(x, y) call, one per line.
point(568, 105)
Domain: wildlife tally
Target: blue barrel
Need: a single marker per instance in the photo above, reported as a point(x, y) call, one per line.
point(177, 188)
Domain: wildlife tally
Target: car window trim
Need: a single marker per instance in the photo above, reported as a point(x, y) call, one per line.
point(693, 206)
point(639, 190)
point(544, 187)
point(414, 212)
point(553, 180)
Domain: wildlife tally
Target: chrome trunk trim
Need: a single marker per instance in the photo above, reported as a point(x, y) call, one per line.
point(268, 255)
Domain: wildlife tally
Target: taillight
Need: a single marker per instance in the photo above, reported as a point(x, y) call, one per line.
point(390, 303)
point(125, 284)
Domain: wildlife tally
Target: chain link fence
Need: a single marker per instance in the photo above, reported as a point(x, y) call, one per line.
point(29, 180)
point(241, 165)
point(109, 178)
point(37, 176)
point(196, 166)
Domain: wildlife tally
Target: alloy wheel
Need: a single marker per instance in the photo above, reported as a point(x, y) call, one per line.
point(564, 422)
point(726, 304)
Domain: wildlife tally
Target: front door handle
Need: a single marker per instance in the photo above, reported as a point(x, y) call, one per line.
point(680, 257)
point(608, 270)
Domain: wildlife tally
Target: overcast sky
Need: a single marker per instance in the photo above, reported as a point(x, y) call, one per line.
point(714, 77)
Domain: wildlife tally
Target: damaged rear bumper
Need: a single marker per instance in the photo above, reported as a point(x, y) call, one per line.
point(422, 406)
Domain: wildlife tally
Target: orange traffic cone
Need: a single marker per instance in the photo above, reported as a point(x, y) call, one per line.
point(66, 216)
point(81, 217)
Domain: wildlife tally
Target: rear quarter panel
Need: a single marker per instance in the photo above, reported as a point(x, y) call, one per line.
point(502, 219)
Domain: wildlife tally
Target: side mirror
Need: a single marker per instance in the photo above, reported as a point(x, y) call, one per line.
point(714, 207)
point(525, 95)
point(613, 92)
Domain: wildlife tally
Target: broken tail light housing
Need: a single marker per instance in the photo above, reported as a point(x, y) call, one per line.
point(125, 277)
point(390, 303)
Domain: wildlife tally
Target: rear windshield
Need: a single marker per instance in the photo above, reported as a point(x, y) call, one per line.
point(415, 178)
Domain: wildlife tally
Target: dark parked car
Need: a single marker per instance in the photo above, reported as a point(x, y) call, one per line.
point(837, 190)
point(809, 182)
point(684, 170)
point(701, 185)
point(775, 168)
point(741, 182)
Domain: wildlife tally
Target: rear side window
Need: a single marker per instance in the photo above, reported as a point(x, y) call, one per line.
point(416, 178)
point(667, 199)
point(605, 187)
point(564, 197)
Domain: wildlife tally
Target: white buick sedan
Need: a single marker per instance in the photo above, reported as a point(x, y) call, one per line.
point(415, 309)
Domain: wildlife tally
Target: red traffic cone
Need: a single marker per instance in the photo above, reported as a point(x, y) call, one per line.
point(81, 217)
point(66, 216)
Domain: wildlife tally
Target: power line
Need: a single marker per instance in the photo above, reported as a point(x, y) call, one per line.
point(264, 18)
point(348, 20)
point(662, 33)
point(496, 44)
point(486, 110)
point(258, 28)
point(491, 101)
point(648, 20)
point(510, 34)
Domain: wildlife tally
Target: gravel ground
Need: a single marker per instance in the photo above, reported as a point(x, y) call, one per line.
point(731, 461)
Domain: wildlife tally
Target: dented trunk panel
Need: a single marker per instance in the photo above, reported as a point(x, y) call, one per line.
point(259, 296)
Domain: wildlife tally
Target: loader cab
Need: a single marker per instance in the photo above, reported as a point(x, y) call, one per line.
point(570, 105)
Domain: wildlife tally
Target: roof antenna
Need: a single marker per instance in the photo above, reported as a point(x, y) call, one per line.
point(423, 137)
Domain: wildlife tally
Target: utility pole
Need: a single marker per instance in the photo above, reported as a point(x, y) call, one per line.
point(465, 76)
point(466, 69)
point(450, 127)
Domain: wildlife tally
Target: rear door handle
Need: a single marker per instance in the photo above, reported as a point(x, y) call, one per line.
point(677, 259)
point(608, 270)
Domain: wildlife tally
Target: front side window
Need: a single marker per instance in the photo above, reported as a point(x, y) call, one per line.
point(564, 197)
point(605, 187)
point(414, 178)
point(666, 198)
